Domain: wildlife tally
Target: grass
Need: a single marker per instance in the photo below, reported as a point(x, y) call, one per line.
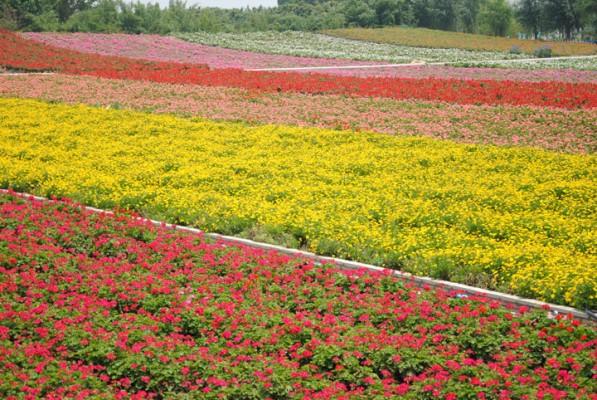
point(422, 37)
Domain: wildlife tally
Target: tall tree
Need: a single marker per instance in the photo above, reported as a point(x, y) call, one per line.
point(66, 8)
point(467, 12)
point(529, 13)
point(385, 11)
point(444, 15)
point(562, 15)
point(496, 17)
point(359, 13)
point(588, 17)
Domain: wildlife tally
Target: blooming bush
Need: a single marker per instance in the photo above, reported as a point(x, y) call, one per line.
point(543, 52)
point(515, 219)
point(553, 129)
point(21, 53)
point(101, 306)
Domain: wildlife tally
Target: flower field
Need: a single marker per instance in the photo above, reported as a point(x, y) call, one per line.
point(327, 52)
point(105, 306)
point(569, 131)
point(26, 54)
point(472, 214)
point(421, 37)
point(481, 173)
point(307, 44)
point(170, 49)
point(588, 63)
point(575, 70)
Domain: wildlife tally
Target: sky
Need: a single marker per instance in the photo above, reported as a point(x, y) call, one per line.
point(222, 3)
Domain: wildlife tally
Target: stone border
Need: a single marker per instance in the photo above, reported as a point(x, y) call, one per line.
point(503, 298)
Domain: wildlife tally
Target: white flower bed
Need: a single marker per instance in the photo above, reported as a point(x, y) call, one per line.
point(589, 64)
point(306, 44)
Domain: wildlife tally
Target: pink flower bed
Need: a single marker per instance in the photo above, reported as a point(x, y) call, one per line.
point(553, 129)
point(438, 71)
point(164, 48)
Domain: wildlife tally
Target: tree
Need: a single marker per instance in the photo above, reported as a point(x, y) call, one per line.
point(422, 13)
point(128, 19)
point(529, 13)
point(496, 17)
point(358, 13)
point(562, 15)
point(467, 12)
point(65, 8)
point(385, 11)
point(8, 17)
point(444, 15)
point(588, 17)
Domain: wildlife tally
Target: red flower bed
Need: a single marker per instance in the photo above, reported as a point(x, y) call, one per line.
point(22, 54)
point(18, 52)
point(112, 307)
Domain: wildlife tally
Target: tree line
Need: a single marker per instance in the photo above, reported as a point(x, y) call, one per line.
point(565, 19)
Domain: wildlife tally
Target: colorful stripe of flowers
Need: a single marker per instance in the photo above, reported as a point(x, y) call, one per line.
point(553, 129)
point(17, 52)
point(22, 54)
point(422, 37)
point(101, 306)
point(514, 219)
point(171, 49)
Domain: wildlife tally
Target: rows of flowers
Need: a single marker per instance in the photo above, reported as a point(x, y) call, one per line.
point(554, 129)
point(308, 44)
point(22, 54)
point(533, 71)
point(172, 49)
point(102, 306)
point(445, 39)
point(552, 66)
point(514, 219)
point(17, 52)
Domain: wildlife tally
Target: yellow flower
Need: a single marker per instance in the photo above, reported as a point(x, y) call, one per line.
point(517, 219)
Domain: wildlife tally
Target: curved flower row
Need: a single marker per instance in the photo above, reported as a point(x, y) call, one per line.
point(515, 219)
point(23, 54)
point(17, 52)
point(100, 306)
point(317, 45)
point(570, 131)
point(309, 44)
point(172, 49)
point(435, 38)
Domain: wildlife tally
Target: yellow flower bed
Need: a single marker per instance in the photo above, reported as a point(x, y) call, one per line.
point(422, 37)
point(516, 219)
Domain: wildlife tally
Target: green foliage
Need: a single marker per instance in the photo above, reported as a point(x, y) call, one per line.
point(543, 52)
point(530, 15)
point(495, 17)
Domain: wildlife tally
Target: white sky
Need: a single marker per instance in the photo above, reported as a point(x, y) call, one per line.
point(222, 3)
